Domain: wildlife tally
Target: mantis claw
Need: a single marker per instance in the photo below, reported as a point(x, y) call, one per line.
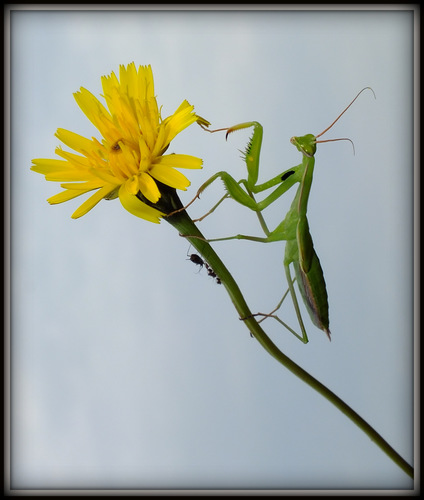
point(240, 126)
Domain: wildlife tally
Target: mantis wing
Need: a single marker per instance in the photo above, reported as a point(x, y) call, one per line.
point(310, 278)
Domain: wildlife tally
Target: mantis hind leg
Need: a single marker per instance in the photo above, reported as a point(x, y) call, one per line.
point(303, 337)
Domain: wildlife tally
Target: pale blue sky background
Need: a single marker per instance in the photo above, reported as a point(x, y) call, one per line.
point(129, 368)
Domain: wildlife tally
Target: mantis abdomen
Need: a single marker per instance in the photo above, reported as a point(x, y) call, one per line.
point(314, 292)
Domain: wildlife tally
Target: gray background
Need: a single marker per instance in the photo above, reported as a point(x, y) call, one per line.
point(132, 370)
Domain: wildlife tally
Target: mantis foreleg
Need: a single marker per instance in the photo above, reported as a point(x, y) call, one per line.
point(285, 181)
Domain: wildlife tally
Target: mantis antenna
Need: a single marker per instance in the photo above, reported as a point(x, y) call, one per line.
point(337, 119)
point(341, 114)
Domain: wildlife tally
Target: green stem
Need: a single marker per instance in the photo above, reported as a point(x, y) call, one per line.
point(186, 227)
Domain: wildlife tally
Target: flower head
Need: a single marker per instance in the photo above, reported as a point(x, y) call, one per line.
point(130, 158)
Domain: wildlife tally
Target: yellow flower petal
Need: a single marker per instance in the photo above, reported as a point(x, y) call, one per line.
point(148, 187)
point(75, 175)
point(47, 166)
point(180, 120)
point(180, 161)
point(96, 113)
point(66, 196)
point(184, 106)
point(83, 186)
point(74, 160)
point(92, 201)
point(146, 88)
point(74, 141)
point(137, 207)
point(104, 175)
point(132, 185)
point(170, 177)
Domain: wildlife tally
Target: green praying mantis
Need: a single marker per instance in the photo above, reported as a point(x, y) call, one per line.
point(294, 228)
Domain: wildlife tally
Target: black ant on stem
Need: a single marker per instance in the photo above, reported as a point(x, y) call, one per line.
point(196, 259)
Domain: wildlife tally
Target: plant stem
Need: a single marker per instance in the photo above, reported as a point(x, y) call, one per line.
point(171, 204)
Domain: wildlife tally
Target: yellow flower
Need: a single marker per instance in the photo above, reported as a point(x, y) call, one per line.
point(130, 158)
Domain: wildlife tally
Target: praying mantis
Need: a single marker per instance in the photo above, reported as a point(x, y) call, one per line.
point(294, 228)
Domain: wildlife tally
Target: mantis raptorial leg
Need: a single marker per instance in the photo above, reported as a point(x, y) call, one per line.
point(294, 228)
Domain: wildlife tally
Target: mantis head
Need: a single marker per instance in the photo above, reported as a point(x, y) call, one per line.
point(307, 144)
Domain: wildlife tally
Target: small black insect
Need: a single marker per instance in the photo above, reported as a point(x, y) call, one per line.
point(196, 259)
point(212, 273)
